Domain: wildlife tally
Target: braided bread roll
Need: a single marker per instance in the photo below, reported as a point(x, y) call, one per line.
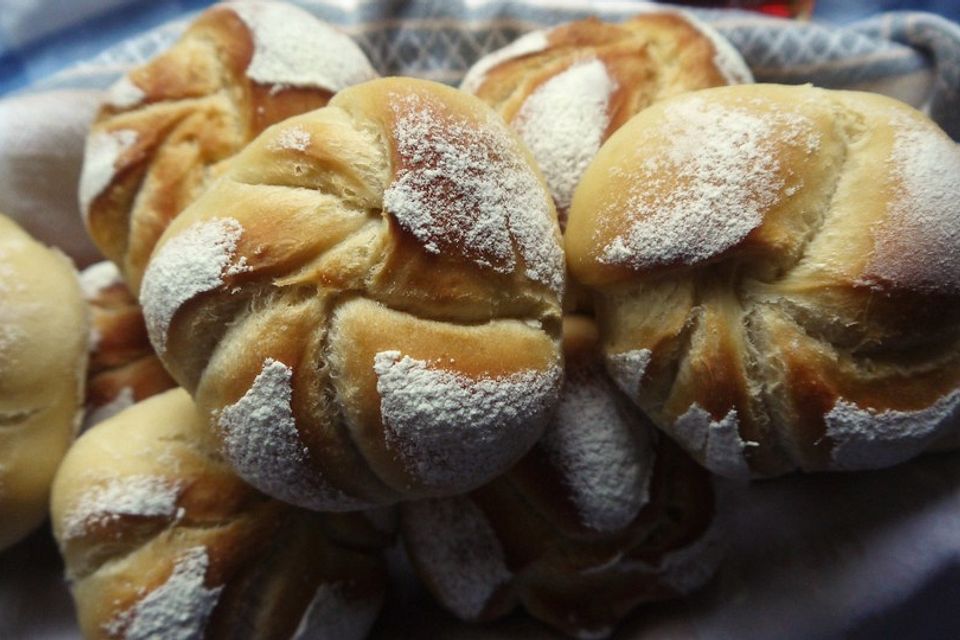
point(162, 540)
point(238, 68)
point(123, 367)
point(43, 357)
point(777, 271)
point(367, 302)
point(565, 90)
point(600, 517)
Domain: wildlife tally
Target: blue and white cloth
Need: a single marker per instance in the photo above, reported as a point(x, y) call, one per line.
point(910, 55)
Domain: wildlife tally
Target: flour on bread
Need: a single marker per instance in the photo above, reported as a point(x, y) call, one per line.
point(420, 403)
point(124, 94)
point(100, 155)
point(564, 121)
point(293, 48)
point(190, 263)
point(918, 244)
point(627, 369)
point(136, 495)
point(605, 460)
point(715, 443)
point(458, 550)
point(261, 440)
point(714, 183)
point(179, 608)
point(865, 438)
point(463, 186)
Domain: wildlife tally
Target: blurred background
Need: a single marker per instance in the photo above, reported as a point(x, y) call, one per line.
point(41, 37)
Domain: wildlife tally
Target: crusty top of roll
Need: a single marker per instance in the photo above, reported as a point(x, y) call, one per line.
point(161, 539)
point(566, 89)
point(782, 270)
point(728, 180)
point(383, 277)
point(238, 68)
point(43, 355)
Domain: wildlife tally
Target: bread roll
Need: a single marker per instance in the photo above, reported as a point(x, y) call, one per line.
point(367, 302)
point(567, 88)
point(43, 356)
point(777, 272)
point(600, 517)
point(123, 367)
point(240, 67)
point(162, 540)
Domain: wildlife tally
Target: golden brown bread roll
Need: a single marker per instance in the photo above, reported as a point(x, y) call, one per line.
point(777, 273)
point(123, 367)
point(566, 89)
point(240, 67)
point(367, 302)
point(161, 539)
point(43, 355)
point(600, 517)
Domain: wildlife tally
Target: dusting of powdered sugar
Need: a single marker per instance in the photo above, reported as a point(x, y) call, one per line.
point(715, 444)
point(123, 400)
point(193, 262)
point(333, 615)
point(453, 544)
point(714, 182)
point(179, 608)
point(98, 277)
point(605, 459)
point(870, 439)
point(124, 94)
point(918, 244)
point(627, 369)
point(726, 58)
point(100, 155)
point(530, 43)
point(261, 441)
point(464, 187)
point(293, 48)
point(137, 495)
point(291, 138)
point(453, 432)
point(564, 121)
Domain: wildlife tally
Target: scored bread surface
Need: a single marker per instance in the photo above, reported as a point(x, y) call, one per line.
point(164, 127)
point(367, 301)
point(565, 90)
point(161, 539)
point(776, 275)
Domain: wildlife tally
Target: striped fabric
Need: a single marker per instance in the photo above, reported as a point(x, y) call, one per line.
point(910, 55)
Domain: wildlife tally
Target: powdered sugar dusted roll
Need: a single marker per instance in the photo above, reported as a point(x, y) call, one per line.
point(239, 67)
point(43, 357)
point(601, 516)
point(162, 539)
point(366, 303)
point(767, 309)
point(123, 368)
point(566, 89)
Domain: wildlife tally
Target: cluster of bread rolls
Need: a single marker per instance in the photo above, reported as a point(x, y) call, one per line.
point(362, 289)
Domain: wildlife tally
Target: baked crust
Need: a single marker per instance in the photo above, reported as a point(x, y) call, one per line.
point(781, 262)
point(164, 127)
point(383, 276)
